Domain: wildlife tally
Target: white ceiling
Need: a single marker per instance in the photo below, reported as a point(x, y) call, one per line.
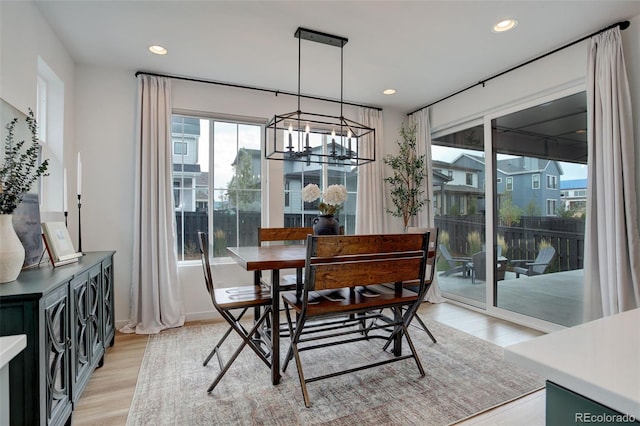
point(423, 49)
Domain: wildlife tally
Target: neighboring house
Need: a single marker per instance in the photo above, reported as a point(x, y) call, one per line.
point(185, 132)
point(457, 188)
point(574, 194)
point(533, 185)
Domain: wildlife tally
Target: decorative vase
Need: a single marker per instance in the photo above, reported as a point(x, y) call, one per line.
point(11, 250)
point(326, 224)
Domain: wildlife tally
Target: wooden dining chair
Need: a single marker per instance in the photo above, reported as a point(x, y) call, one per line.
point(228, 301)
point(295, 235)
point(345, 264)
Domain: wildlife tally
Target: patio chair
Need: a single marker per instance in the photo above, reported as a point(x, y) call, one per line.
point(456, 264)
point(227, 302)
point(478, 266)
point(345, 263)
point(538, 266)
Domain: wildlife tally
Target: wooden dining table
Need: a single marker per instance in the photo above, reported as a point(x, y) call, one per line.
point(273, 258)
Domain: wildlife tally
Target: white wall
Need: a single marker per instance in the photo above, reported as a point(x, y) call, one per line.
point(25, 35)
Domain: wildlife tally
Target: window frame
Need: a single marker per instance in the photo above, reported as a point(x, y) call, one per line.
point(237, 120)
point(535, 183)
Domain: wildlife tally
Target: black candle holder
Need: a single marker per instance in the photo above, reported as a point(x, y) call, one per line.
point(79, 225)
point(66, 217)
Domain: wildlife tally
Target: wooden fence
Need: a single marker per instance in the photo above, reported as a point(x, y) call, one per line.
point(566, 235)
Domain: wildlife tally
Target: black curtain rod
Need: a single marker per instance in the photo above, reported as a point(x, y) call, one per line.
point(241, 86)
point(623, 26)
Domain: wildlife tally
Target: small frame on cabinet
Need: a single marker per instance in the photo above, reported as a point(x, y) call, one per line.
point(58, 243)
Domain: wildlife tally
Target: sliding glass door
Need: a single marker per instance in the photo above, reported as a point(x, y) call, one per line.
point(459, 205)
point(540, 182)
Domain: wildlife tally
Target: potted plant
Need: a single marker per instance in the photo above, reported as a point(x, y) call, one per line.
point(409, 177)
point(20, 169)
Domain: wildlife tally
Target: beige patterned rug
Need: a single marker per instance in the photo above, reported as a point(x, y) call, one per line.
point(464, 376)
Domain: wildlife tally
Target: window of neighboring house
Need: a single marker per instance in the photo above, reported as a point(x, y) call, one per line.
point(509, 184)
point(552, 182)
point(469, 179)
point(287, 195)
point(499, 180)
point(581, 193)
point(180, 148)
point(551, 207)
point(535, 181)
point(298, 174)
point(217, 185)
point(450, 173)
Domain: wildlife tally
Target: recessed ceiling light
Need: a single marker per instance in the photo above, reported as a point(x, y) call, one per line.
point(389, 91)
point(506, 25)
point(158, 50)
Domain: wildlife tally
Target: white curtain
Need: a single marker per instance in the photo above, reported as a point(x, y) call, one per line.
point(612, 251)
point(425, 218)
point(156, 294)
point(371, 203)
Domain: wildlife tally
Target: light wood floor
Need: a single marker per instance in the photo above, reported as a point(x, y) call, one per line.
point(108, 395)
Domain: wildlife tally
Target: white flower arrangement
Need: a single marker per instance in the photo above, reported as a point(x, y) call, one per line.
point(332, 197)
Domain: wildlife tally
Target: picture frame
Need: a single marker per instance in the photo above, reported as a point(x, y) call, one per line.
point(26, 222)
point(58, 243)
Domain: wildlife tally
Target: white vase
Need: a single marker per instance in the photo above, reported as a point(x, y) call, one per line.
point(11, 250)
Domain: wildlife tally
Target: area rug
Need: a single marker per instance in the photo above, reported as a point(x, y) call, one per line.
point(464, 376)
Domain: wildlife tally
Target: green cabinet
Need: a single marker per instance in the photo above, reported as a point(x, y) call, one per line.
point(67, 315)
point(565, 408)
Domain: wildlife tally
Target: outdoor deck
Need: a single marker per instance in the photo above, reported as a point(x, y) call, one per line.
point(554, 297)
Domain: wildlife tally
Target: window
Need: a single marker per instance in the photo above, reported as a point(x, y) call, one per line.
point(287, 194)
point(180, 148)
point(499, 180)
point(470, 179)
point(298, 175)
point(509, 184)
point(551, 207)
point(535, 181)
point(41, 108)
point(49, 113)
point(581, 193)
point(216, 180)
point(552, 182)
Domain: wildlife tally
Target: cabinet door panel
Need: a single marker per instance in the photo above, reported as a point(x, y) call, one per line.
point(57, 343)
point(108, 314)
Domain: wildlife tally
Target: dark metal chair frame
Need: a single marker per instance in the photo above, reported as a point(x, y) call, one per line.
point(345, 264)
point(227, 301)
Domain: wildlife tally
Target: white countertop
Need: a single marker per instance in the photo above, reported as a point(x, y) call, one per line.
point(599, 360)
point(10, 346)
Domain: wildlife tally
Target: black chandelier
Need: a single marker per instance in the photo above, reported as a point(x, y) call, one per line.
point(319, 138)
